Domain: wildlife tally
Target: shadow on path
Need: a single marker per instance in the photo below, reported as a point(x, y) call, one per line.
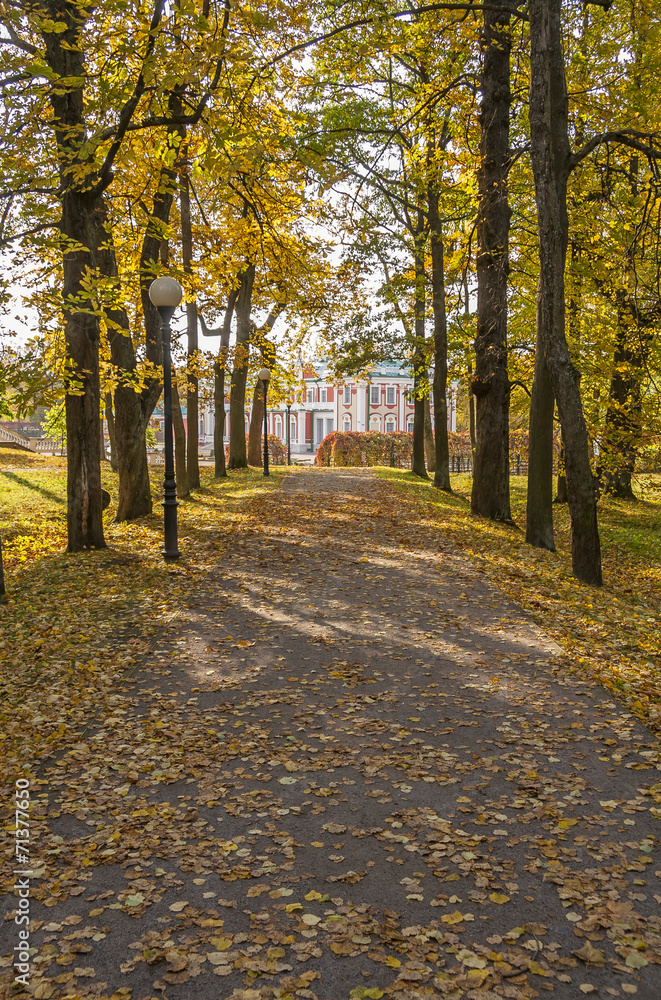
point(346, 693)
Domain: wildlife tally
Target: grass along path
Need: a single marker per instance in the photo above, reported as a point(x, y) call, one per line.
point(612, 633)
point(74, 624)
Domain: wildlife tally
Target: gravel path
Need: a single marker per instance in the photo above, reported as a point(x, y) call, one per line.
point(352, 768)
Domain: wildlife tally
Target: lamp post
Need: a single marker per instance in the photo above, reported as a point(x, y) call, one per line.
point(289, 402)
point(166, 294)
point(264, 375)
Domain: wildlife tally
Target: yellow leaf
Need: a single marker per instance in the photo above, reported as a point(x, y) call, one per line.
point(452, 918)
point(477, 976)
point(498, 897)
point(393, 963)
point(221, 943)
point(342, 948)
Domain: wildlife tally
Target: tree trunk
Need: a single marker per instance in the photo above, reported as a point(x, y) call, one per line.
point(623, 425)
point(83, 232)
point(268, 356)
point(192, 390)
point(82, 225)
point(134, 407)
point(255, 452)
point(110, 419)
point(135, 498)
point(550, 155)
point(179, 441)
point(238, 458)
point(441, 463)
point(220, 472)
point(430, 447)
point(561, 481)
point(491, 473)
point(539, 508)
point(419, 360)
point(471, 415)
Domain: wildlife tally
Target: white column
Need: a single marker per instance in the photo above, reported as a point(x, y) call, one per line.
point(360, 407)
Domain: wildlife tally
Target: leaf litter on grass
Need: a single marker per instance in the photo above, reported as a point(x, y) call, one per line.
point(612, 633)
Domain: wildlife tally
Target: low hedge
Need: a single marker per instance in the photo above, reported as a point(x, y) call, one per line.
point(351, 448)
point(277, 450)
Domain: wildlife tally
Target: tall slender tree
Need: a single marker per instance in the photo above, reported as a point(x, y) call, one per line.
point(490, 495)
point(551, 161)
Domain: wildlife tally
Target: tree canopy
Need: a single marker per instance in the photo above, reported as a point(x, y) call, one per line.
point(470, 189)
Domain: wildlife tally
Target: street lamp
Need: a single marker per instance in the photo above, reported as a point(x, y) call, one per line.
point(166, 294)
point(264, 375)
point(289, 405)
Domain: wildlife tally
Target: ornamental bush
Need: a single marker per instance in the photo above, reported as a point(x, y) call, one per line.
point(351, 448)
point(277, 450)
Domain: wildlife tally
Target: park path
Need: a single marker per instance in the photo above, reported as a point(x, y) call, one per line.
point(351, 768)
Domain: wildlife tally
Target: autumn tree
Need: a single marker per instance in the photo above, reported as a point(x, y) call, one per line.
point(387, 106)
point(491, 385)
point(52, 51)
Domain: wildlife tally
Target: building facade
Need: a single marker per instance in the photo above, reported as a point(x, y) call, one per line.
point(381, 402)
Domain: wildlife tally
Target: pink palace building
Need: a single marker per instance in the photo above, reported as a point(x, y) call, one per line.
point(379, 402)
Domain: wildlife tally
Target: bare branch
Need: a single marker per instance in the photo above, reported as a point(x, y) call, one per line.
point(641, 141)
point(17, 42)
point(127, 112)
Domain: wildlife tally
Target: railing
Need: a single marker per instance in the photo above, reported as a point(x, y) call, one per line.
point(49, 445)
point(15, 437)
point(459, 463)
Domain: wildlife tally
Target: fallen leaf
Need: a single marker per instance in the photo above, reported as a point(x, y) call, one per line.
point(635, 960)
point(590, 955)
